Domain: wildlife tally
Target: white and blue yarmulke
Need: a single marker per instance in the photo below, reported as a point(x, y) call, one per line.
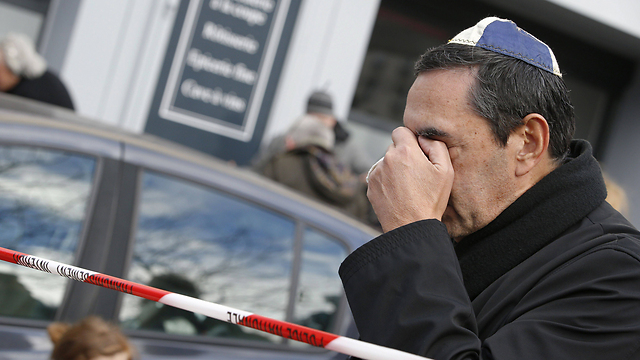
point(505, 37)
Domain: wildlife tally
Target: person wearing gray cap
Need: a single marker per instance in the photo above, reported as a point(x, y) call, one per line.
point(304, 160)
point(320, 102)
point(320, 109)
point(498, 242)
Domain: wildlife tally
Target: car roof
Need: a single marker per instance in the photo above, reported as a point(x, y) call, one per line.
point(25, 112)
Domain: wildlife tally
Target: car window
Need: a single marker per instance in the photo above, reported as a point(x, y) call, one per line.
point(200, 242)
point(43, 202)
point(320, 290)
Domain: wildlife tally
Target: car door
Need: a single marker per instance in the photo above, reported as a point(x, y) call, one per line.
point(209, 234)
point(146, 213)
point(55, 193)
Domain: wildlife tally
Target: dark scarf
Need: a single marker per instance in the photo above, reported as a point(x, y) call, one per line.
point(538, 217)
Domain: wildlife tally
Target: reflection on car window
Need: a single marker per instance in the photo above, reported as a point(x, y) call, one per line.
point(194, 240)
point(43, 201)
point(320, 289)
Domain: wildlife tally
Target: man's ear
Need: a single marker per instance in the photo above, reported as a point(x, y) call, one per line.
point(534, 135)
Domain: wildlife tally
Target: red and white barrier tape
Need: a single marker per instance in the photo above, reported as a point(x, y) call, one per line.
point(284, 329)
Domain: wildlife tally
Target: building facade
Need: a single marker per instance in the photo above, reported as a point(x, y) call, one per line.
point(226, 76)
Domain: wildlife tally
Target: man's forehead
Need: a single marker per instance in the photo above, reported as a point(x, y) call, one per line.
point(463, 75)
point(439, 105)
point(451, 84)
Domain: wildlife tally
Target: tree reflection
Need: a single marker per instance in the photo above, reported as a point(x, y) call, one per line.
point(237, 253)
point(43, 198)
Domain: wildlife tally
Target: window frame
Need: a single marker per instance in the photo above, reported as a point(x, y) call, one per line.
point(145, 159)
point(76, 143)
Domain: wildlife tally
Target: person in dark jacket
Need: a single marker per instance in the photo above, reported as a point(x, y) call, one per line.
point(23, 72)
point(320, 111)
point(498, 242)
point(308, 165)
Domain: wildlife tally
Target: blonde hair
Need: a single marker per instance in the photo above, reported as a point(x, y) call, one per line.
point(90, 338)
point(616, 196)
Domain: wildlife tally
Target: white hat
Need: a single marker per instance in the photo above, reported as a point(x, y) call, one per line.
point(20, 56)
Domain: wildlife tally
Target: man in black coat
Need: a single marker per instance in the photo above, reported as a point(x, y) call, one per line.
point(498, 242)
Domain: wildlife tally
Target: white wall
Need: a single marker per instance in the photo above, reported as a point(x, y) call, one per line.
point(92, 51)
point(326, 52)
point(114, 56)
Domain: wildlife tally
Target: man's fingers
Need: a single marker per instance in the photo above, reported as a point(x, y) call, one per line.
point(406, 186)
point(402, 135)
point(373, 167)
point(436, 151)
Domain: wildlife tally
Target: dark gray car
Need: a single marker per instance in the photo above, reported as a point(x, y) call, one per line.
point(144, 209)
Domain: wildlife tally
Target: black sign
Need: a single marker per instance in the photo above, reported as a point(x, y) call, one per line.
point(222, 64)
point(221, 69)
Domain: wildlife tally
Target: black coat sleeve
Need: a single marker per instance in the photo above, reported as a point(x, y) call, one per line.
point(406, 292)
